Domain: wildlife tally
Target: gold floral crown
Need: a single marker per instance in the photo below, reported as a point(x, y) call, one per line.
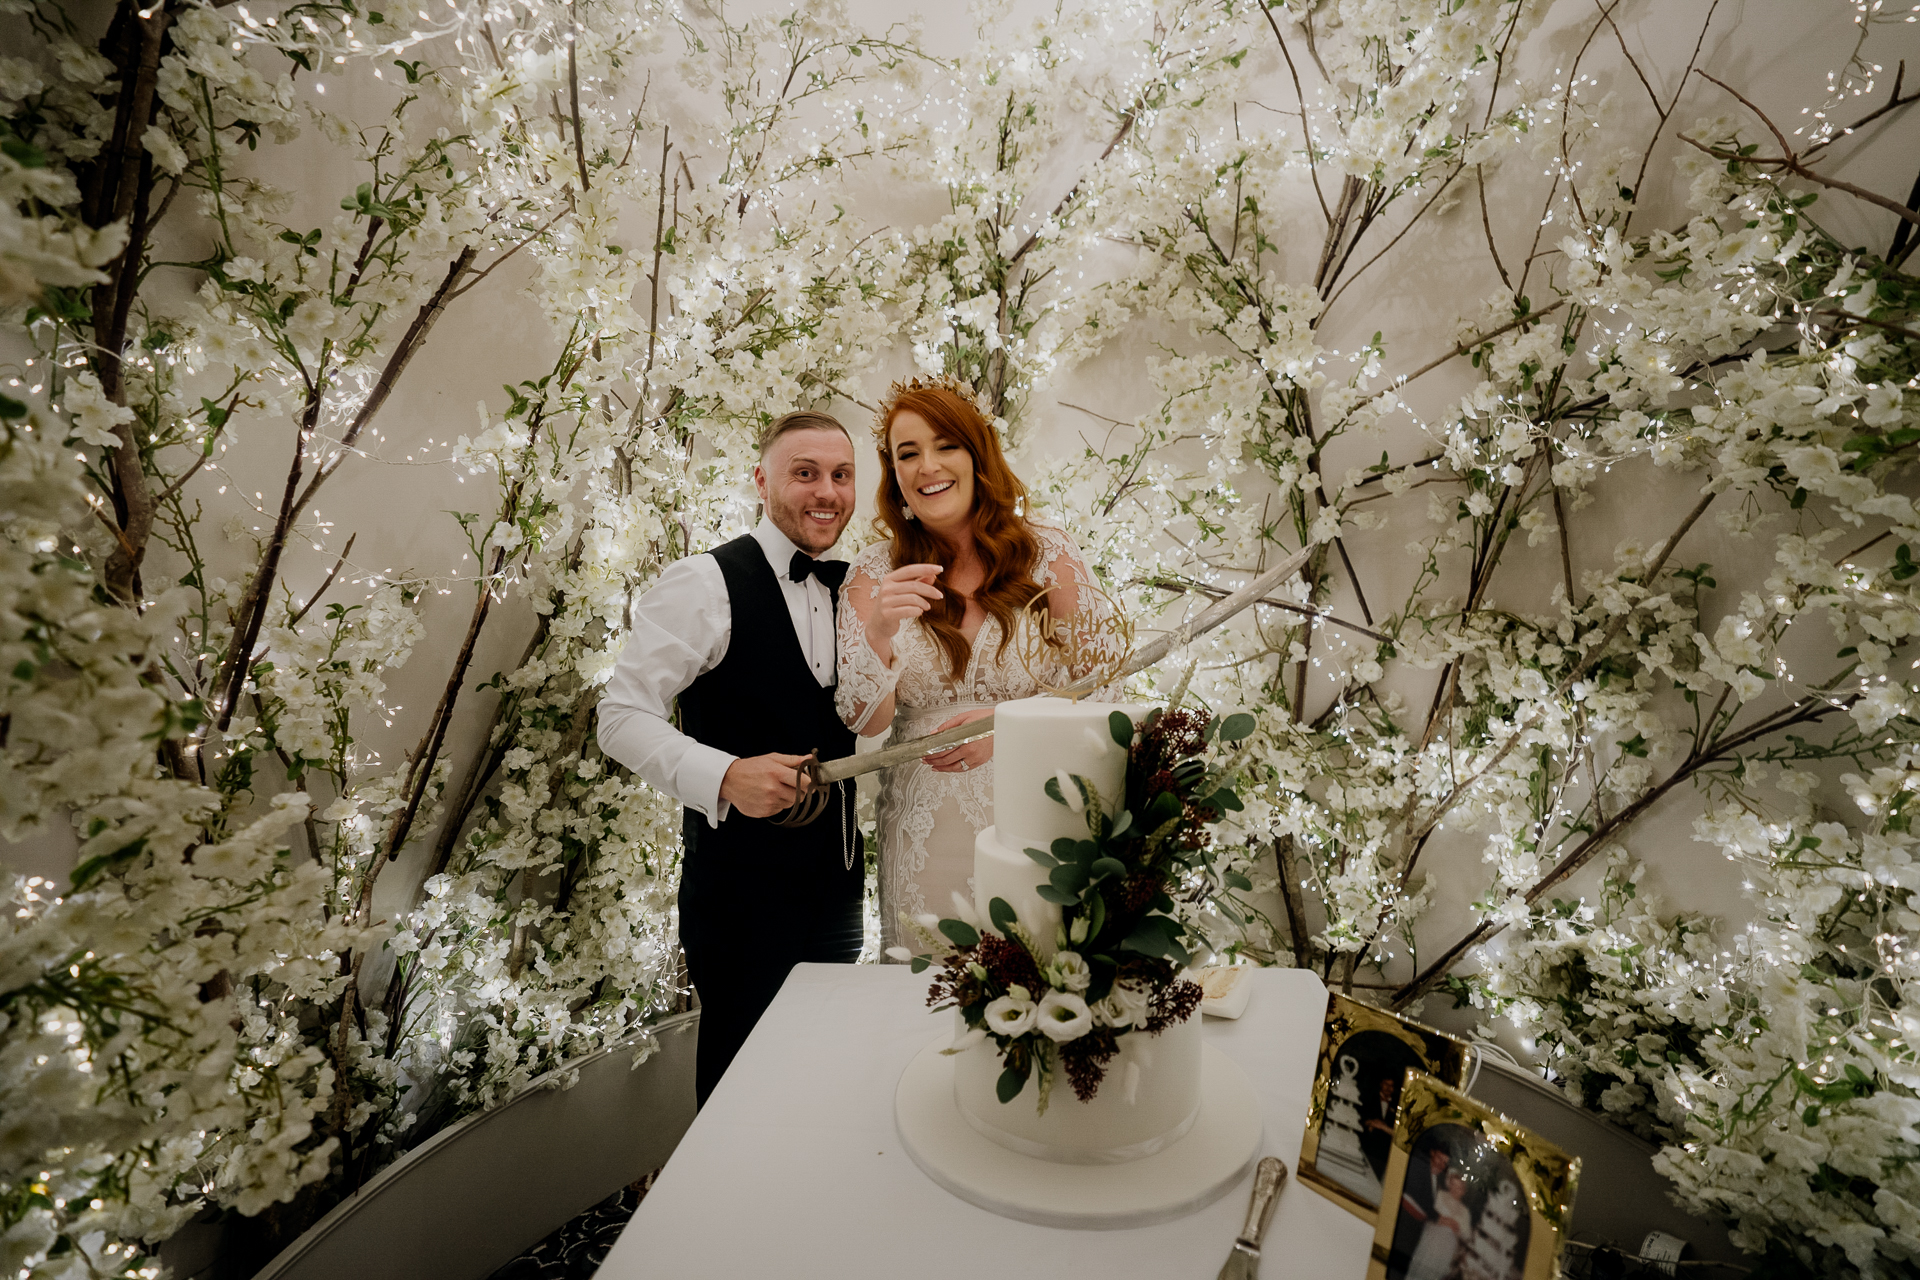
point(945, 382)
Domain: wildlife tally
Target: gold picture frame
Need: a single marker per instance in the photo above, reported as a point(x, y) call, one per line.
point(1469, 1192)
point(1364, 1056)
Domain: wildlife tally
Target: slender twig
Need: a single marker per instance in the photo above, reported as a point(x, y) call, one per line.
point(477, 278)
point(1791, 163)
point(1804, 711)
point(326, 582)
point(573, 97)
point(1181, 587)
point(1306, 130)
point(1463, 348)
point(1894, 102)
point(1486, 224)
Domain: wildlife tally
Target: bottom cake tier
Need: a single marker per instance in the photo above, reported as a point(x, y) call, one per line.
point(1149, 1099)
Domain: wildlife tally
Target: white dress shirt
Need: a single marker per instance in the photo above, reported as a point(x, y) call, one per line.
point(681, 629)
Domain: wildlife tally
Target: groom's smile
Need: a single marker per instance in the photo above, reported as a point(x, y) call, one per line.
point(806, 481)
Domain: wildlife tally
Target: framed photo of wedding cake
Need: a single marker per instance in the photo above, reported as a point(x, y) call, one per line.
point(1365, 1054)
point(1469, 1193)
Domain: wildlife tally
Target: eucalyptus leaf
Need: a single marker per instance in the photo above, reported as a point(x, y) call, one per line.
point(1104, 972)
point(1121, 825)
point(1058, 897)
point(1237, 726)
point(1042, 857)
point(1226, 800)
point(960, 933)
point(1164, 809)
point(1147, 938)
point(1121, 727)
point(1009, 1085)
point(1109, 867)
point(1001, 914)
point(920, 964)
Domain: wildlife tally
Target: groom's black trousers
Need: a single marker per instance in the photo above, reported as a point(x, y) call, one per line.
point(738, 975)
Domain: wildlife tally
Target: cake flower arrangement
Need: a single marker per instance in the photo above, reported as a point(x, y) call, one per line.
point(1118, 951)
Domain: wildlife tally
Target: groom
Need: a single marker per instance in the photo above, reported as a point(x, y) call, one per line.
point(743, 637)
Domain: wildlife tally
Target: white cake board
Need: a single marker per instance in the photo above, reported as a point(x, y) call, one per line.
point(1171, 1183)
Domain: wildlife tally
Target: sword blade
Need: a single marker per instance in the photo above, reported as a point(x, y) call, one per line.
point(1159, 647)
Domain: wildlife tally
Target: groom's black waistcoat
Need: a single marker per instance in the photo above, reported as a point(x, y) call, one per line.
point(747, 878)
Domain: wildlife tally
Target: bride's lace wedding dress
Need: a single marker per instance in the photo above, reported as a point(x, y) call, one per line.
point(927, 820)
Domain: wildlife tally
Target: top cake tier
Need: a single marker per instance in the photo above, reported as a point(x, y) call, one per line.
point(1036, 738)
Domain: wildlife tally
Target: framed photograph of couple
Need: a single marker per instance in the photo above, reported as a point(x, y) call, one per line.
point(1364, 1056)
point(1469, 1195)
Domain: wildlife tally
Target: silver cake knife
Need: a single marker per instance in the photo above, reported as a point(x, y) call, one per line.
point(1244, 1262)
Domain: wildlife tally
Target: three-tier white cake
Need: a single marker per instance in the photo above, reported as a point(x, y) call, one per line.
point(1151, 1093)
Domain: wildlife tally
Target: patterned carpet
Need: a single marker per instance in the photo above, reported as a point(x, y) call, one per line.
point(576, 1250)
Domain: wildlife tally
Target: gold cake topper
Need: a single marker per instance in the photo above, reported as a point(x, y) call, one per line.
point(1095, 640)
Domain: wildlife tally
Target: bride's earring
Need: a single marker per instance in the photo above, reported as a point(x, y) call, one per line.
point(907, 511)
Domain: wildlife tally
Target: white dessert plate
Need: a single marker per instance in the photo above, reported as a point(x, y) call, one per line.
point(1171, 1183)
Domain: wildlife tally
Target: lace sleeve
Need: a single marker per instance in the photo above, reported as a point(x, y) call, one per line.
point(1063, 569)
point(862, 681)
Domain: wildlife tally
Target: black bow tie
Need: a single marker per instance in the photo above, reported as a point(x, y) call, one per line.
point(830, 572)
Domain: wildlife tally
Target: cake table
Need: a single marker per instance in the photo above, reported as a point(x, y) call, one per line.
point(794, 1169)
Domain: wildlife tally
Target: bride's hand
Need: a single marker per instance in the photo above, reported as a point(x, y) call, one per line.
point(966, 756)
point(905, 594)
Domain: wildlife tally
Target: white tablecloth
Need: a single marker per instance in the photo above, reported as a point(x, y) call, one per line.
point(793, 1169)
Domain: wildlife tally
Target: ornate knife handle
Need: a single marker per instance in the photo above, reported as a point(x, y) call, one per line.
point(1266, 1190)
point(810, 793)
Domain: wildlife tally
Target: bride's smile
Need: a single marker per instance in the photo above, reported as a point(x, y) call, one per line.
point(935, 473)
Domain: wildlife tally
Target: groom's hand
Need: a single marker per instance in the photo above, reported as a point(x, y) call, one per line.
point(761, 786)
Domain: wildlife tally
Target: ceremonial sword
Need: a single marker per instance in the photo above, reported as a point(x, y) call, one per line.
point(821, 774)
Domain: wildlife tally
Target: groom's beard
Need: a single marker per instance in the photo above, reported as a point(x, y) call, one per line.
point(802, 530)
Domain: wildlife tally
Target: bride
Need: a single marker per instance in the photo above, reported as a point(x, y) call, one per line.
point(929, 639)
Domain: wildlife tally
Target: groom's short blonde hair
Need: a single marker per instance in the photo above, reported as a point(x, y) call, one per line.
point(800, 420)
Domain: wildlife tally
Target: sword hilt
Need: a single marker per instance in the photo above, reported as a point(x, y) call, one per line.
point(811, 793)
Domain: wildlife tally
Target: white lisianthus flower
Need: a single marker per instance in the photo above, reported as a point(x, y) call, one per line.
point(1063, 1016)
point(1069, 972)
point(1010, 1015)
point(1124, 1006)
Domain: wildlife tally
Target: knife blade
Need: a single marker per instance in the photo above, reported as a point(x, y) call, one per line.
point(906, 752)
point(1243, 1263)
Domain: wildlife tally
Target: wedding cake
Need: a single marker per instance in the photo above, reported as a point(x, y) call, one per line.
point(1151, 1093)
point(1494, 1251)
point(1340, 1155)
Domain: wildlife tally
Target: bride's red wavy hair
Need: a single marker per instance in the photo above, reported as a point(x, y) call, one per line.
point(1004, 541)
